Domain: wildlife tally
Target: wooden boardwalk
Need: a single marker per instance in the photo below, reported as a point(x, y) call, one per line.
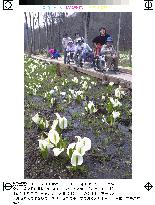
point(124, 77)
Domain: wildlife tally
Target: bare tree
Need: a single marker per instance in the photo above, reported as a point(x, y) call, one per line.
point(119, 31)
point(39, 36)
point(54, 20)
point(46, 30)
point(27, 34)
point(50, 31)
point(31, 38)
point(51, 18)
point(33, 32)
point(59, 25)
point(86, 20)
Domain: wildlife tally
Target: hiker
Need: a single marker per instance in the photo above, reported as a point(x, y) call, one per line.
point(70, 46)
point(54, 53)
point(51, 51)
point(78, 49)
point(84, 50)
point(110, 54)
point(87, 53)
point(99, 41)
point(70, 49)
point(78, 37)
point(65, 41)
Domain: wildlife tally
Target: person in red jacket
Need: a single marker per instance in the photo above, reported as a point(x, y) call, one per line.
point(99, 41)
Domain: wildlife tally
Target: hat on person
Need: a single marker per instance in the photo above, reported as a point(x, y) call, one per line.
point(79, 40)
point(109, 39)
point(70, 41)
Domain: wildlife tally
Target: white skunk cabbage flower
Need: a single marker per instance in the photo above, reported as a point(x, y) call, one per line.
point(36, 118)
point(103, 97)
point(56, 88)
point(103, 119)
point(115, 102)
point(87, 78)
point(46, 124)
point(52, 91)
point(52, 101)
point(66, 81)
point(71, 91)
point(43, 123)
point(70, 146)
point(85, 85)
point(82, 77)
point(85, 142)
point(57, 151)
point(45, 143)
point(111, 83)
point(91, 107)
point(119, 92)
point(62, 121)
point(93, 83)
point(76, 158)
point(54, 136)
point(115, 114)
point(63, 93)
point(75, 80)
point(79, 92)
point(55, 123)
point(80, 148)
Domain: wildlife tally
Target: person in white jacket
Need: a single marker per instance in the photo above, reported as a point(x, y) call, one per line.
point(77, 38)
point(70, 49)
point(87, 52)
point(65, 41)
point(84, 50)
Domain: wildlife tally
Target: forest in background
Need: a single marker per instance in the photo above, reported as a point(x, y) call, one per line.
point(42, 31)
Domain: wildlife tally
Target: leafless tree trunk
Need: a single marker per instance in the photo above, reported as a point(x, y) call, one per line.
point(31, 38)
point(50, 33)
point(59, 21)
point(27, 34)
point(86, 18)
point(59, 38)
point(119, 31)
point(52, 29)
point(39, 38)
point(46, 28)
point(33, 34)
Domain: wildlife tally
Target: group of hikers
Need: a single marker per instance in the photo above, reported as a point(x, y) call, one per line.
point(102, 46)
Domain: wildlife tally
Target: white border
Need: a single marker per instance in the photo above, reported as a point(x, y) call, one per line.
point(12, 105)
